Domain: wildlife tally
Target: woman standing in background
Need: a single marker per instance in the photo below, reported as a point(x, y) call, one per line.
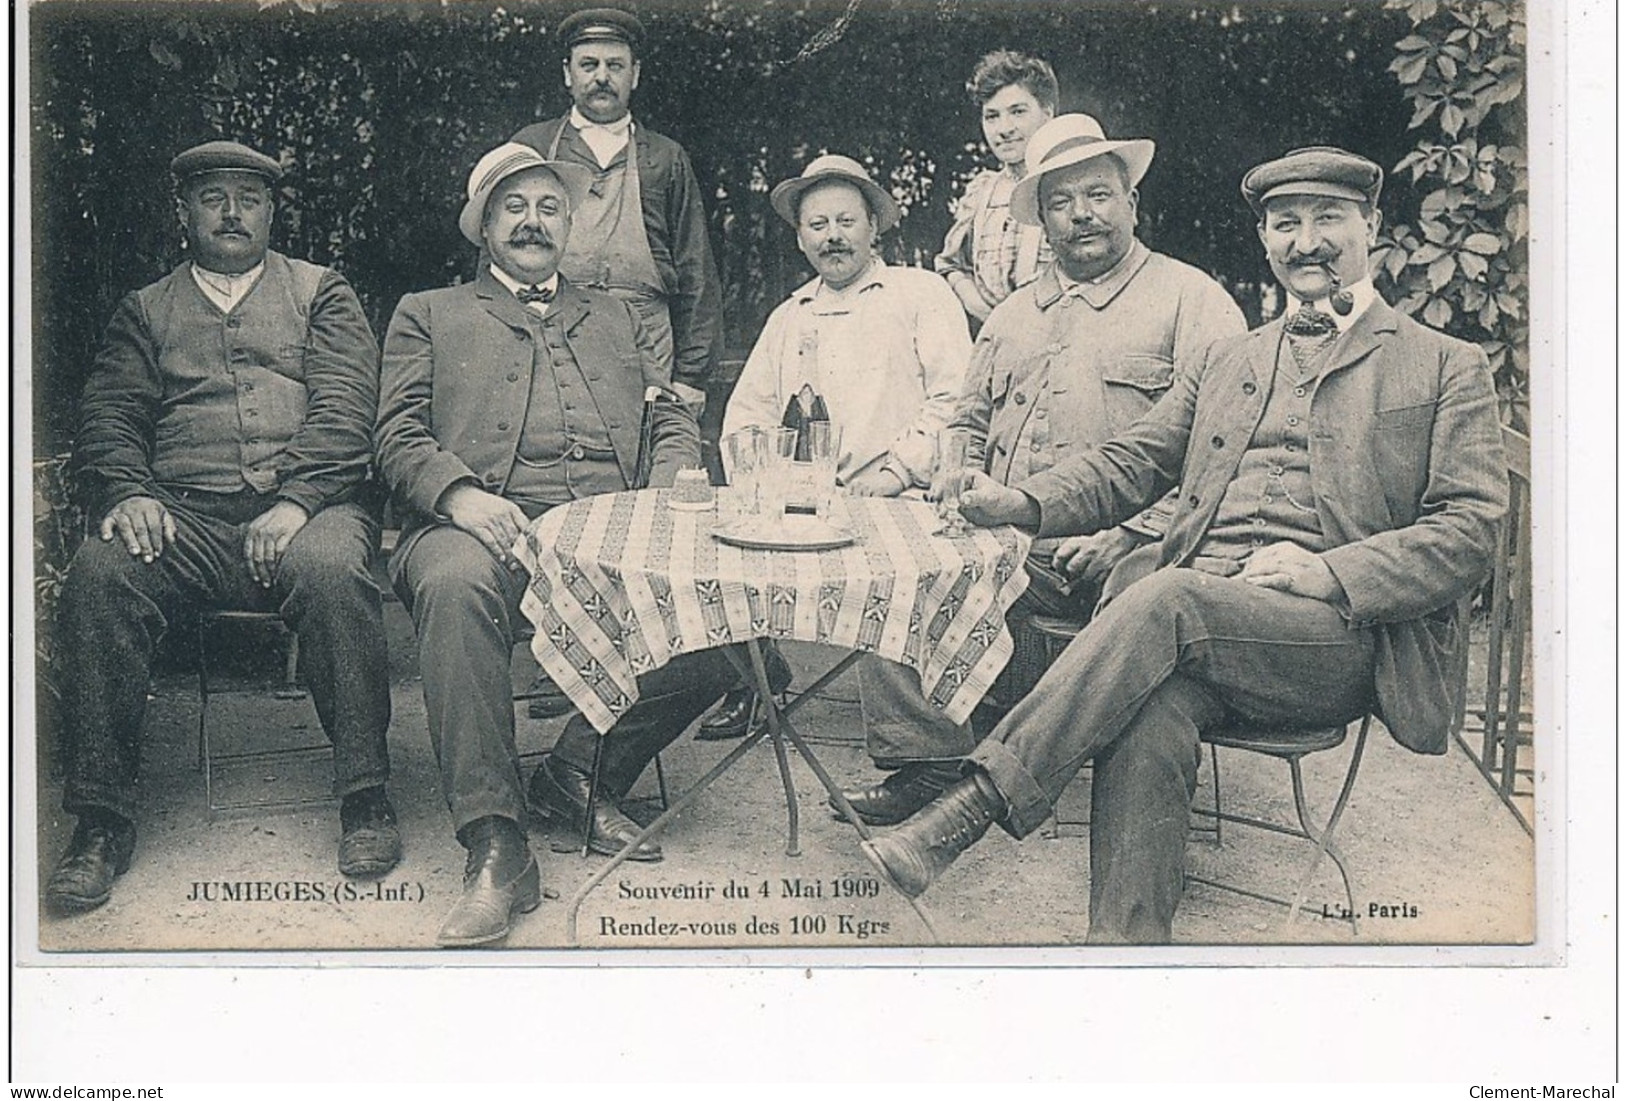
point(987, 253)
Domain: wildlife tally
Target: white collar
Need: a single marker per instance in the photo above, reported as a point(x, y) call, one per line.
point(620, 126)
point(223, 289)
point(225, 282)
point(873, 275)
point(1362, 292)
point(516, 286)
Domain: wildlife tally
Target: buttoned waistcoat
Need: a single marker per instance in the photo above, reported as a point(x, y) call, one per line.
point(457, 371)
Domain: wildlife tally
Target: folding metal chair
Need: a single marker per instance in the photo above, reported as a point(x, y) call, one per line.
point(1291, 746)
point(1050, 635)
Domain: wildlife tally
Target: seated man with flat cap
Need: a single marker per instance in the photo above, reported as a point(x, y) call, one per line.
point(1341, 480)
point(222, 456)
point(501, 399)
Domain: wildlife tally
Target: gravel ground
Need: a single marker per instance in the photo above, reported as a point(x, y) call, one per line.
point(1427, 842)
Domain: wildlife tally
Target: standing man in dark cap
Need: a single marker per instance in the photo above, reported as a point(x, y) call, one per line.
point(641, 231)
point(1341, 479)
point(222, 457)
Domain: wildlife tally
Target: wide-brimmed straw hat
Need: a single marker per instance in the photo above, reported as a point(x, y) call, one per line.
point(1066, 140)
point(786, 196)
point(504, 161)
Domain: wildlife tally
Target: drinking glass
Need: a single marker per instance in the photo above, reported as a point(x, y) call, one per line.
point(773, 475)
point(953, 455)
point(824, 449)
point(744, 450)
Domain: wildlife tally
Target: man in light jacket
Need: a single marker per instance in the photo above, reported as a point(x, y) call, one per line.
point(1341, 479)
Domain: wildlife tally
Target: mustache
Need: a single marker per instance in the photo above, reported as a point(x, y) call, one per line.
point(835, 248)
point(1311, 259)
point(529, 236)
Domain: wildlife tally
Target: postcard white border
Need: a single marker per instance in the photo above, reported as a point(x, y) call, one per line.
point(1014, 1012)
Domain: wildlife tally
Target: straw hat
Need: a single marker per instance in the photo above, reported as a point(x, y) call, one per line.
point(1066, 140)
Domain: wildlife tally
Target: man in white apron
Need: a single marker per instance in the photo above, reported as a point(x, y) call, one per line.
point(641, 231)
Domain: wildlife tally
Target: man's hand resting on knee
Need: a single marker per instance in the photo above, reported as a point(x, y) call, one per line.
point(267, 537)
point(142, 524)
point(1091, 558)
point(1289, 568)
point(495, 521)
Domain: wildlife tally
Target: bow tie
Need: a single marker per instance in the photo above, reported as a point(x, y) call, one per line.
point(1309, 321)
point(534, 293)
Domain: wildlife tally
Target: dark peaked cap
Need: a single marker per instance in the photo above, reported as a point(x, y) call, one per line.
point(224, 156)
point(1314, 170)
point(601, 25)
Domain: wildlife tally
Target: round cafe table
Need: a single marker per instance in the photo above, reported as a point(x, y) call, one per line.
point(622, 583)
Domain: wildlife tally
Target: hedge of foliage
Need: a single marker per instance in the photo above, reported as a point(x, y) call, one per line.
point(379, 109)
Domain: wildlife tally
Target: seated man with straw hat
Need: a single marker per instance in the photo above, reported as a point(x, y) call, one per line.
point(880, 350)
point(1063, 363)
point(503, 398)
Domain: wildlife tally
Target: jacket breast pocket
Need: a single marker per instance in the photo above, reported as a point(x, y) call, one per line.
point(290, 361)
point(1401, 446)
point(1403, 417)
point(1133, 384)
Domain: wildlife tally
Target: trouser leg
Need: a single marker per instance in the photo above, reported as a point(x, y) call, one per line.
point(329, 599)
point(899, 723)
point(1267, 655)
point(1140, 815)
point(670, 699)
point(464, 605)
point(115, 608)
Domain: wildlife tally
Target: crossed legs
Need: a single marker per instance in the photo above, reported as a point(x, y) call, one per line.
point(1172, 655)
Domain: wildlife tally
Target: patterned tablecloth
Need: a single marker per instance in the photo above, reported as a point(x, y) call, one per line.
point(620, 584)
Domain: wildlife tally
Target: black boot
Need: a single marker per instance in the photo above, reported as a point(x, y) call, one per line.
point(369, 838)
point(98, 853)
point(732, 717)
point(902, 794)
point(559, 790)
point(547, 700)
point(501, 879)
point(915, 853)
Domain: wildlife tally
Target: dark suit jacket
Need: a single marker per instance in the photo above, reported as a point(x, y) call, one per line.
point(457, 373)
point(674, 218)
point(1410, 483)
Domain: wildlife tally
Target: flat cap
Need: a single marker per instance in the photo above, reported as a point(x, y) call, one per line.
point(224, 156)
point(1314, 170)
point(600, 25)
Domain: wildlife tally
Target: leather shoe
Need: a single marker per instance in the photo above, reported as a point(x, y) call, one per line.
point(98, 853)
point(369, 839)
point(902, 794)
point(501, 879)
point(547, 700)
point(732, 717)
point(558, 789)
point(917, 852)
